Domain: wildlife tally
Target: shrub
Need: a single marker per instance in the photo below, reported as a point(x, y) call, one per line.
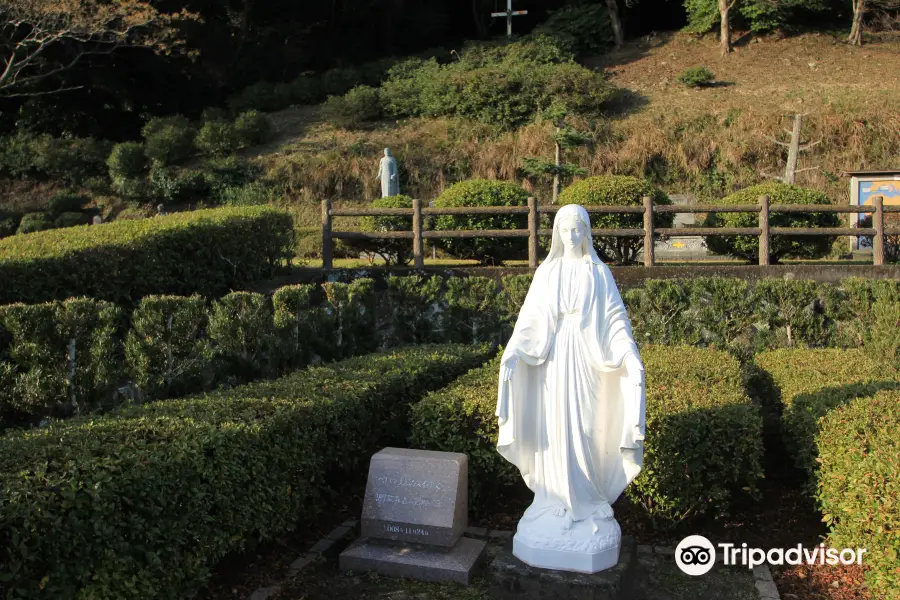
point(204, 251)
point(473, 310)
point(706, 439)
point(812, 383)
point(255, 193)
point(71, 160)
point(858, 491)
point(241, 332)
point(360, 105)
point(230, 172)
point(415, 309)
point(696, 77)
point(218, 138)
point(168, 139)
point(305, 90)
point(299, 322)
point(66, 202)
point(71, 219)
point(780, 246)
point(165, 349)
point(351, 308)
point(617, 190)
point(482, 192)
point(337, 82)
point(214, 113)
point(67, 355)
point(18, 158)
point(262, 95)
point(32, 222)
point(175, 185)
point(252, 127)
point(127, 160)
point(583, 29)
point(393, 251)
point(141, 483)
point(9, 223)
point(883, 337)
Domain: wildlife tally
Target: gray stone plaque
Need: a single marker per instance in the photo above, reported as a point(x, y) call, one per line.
point(417, 496)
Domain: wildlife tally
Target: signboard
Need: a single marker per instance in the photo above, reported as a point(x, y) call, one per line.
point(864, 187)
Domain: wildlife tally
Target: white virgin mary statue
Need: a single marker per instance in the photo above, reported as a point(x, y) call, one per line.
point(571, 405)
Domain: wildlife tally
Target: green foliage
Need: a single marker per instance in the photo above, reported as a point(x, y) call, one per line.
point(482, 192)
point(70, 219)
point(473, 310)
point(230, 172)
point(812, 383)
point(306, 432)
point(264, 96)
point(33, 222)
point(9, 223)
point(706, 438)
point(515, 288)
point(336, 82)
point(252, 194)
point(17, 154)
point(165, 349)
point(67, 355)
point(241, 333)
point(393, 251)
point(71, 160)
point(416, 310)
point(351, 308)
point(883, 337)
point(617, 190)
point(696, 77)
point(299, 323)
point(780, 246)
point(127, 160)
point(358, 106)
point(583, 29)
point(253, 127)
point(218, 138)
point(460, 418)
point(205, 251)
point(66, 202)
point(859, 484)
point(177, 185)
point(168, 139)
point(500, 84)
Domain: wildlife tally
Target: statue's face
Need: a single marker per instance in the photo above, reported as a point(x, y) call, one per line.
point(570, 232)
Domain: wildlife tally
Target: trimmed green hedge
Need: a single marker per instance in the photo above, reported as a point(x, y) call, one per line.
point(205, 252)
point(704, 439)
point(811, 383)
point(859, 484)
point(142, 503)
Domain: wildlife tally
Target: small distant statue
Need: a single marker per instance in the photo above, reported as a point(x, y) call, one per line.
point(387, 173)
point(161, 210)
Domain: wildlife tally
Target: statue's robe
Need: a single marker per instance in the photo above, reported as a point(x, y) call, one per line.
point(569, 419)
point(390, 180)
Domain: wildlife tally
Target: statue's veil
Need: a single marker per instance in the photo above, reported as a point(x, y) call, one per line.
point(587, 244)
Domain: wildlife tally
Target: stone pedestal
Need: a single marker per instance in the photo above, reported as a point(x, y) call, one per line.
point(512, 579)
point(414, 514)
point(589, 546)
point(458, 564)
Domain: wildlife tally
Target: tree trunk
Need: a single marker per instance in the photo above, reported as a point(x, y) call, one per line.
point(859, 11)
point(724, 27)
point(790, 170)
point(613, 7)
point(556, 174)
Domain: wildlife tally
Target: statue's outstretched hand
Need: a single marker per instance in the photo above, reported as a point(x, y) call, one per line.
point(634, 370)
point(508, 366)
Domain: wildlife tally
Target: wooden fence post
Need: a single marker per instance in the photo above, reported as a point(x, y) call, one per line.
point(418, 250)
point(764, 236)
point(648, 232)
point(533, 222)
point(878, 224)
point(326, 235)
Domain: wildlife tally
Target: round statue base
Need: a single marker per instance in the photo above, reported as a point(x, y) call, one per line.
point(588, 546)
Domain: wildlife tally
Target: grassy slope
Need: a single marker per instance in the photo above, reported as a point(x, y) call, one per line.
point(706, 141)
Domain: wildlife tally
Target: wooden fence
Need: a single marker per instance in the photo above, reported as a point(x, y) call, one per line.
point(648, 232)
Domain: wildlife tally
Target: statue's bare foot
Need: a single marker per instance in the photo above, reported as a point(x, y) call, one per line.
point(559, 511)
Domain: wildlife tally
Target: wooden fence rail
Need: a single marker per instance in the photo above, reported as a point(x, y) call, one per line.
point(764, 231)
